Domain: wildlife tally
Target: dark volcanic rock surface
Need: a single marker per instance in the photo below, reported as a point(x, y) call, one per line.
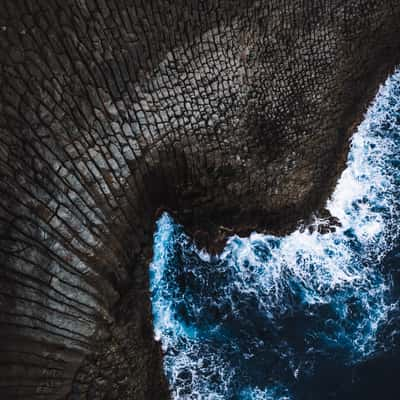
point(234, 115)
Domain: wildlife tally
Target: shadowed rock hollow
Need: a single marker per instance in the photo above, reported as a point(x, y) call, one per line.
point(233, 115)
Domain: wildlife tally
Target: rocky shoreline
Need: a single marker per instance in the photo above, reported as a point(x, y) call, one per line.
point(234, 116)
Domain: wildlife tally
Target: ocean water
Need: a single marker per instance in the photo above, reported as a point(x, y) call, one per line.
point(305, 316)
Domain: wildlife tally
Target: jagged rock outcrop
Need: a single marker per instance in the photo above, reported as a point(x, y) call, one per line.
point(234, 115)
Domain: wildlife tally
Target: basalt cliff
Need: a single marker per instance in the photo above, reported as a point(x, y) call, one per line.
point(234, 115)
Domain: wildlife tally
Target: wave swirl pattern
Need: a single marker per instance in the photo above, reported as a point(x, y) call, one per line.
point(285, 317)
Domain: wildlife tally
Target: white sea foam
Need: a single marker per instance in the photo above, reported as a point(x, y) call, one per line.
point(301, 269)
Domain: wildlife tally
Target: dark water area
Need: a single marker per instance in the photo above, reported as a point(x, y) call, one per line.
point(305, 316)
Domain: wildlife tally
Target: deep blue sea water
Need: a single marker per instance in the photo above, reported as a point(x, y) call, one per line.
point(305, 316)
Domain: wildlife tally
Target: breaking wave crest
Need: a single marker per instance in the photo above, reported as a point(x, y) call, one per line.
point(272, 316)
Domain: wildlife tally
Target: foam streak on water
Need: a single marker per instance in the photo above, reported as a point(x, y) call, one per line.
point(272, 312)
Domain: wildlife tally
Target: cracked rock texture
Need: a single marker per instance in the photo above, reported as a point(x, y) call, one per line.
point(234, 115)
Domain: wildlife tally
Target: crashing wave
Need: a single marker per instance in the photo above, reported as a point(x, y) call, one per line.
point(272, 312)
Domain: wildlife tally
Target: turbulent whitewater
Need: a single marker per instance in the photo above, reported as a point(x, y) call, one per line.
point(288, 317)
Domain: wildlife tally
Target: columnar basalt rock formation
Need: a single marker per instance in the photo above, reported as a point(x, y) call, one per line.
point(234, 115)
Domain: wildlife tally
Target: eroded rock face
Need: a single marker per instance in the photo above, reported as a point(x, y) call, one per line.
point(234, 115)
